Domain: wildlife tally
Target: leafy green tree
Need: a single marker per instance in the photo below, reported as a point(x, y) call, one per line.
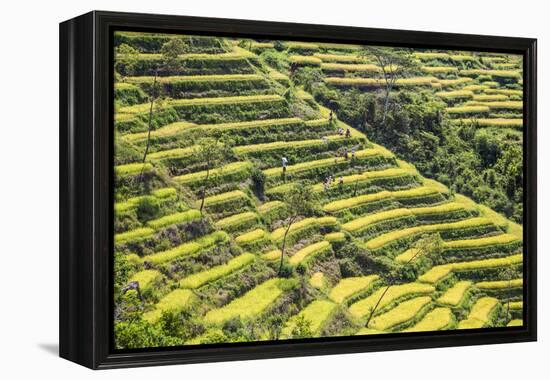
point(394, 64)
point(302, 328)
point(301, 201)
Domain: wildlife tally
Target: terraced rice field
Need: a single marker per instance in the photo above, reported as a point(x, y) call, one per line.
point(199, 237)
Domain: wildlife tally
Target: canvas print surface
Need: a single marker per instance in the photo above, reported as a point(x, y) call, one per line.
point(278, 190)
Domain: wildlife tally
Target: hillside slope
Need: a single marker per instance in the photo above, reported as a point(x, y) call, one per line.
point(387, 250)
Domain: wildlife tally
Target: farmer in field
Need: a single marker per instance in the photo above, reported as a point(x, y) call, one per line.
point(348, 133)
point(284, 162)
point(341, 182)
point(325, 139)
point(330, 118)
point(353, 153)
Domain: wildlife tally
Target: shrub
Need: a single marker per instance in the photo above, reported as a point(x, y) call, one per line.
point(147, 208)
point(316, 313)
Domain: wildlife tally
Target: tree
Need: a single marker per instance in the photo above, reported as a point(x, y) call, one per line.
point(393, 63)
point(300, 201)
point(209, 152)
point(429, 244)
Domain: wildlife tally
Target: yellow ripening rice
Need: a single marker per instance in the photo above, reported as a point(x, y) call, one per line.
point(317, 280)
point(199, 279)
point(306, 254)
point(375, 82)
point(364, 307)
point(480, 314)
point(145, 278)
point(272, 255)
point(224, 197)
point(515, 323)
point(335, 237)
point(326, 162)
point(493, 122)
point(338, 58)
point(188, 248)
point(370, 175)
point(516, 305)
point(439, 318)
point(455, 294)
point(439, 69)
point(251, 236)
point(427, 56)
point(279, 233)
point(501, 239)
point(236, 220)
point(172, 153)
point(316, 313)
point(132, 169)
point(402, 313)
point(504, 284)
point(504, 105)
point(382, 240)
point(196, 78)
point(454, 82)
point(350, 286)
point(364, 67)
point(359, 224)
point(251, 304)
point(470, 109)
point(458, 94)
point(232, 168)
point(305, 60)
point(265, 147)
point(439, 272)
point(177, 218)
point(176, 300)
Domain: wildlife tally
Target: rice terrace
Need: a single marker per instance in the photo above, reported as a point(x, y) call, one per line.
point(273, 190)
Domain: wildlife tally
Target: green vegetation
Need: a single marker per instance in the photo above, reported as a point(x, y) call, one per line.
point(270, 190)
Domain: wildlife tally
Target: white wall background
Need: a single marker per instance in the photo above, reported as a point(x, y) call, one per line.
point(29, 186)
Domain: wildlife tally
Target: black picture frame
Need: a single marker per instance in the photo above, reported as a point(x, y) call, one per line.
point(86, 204)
